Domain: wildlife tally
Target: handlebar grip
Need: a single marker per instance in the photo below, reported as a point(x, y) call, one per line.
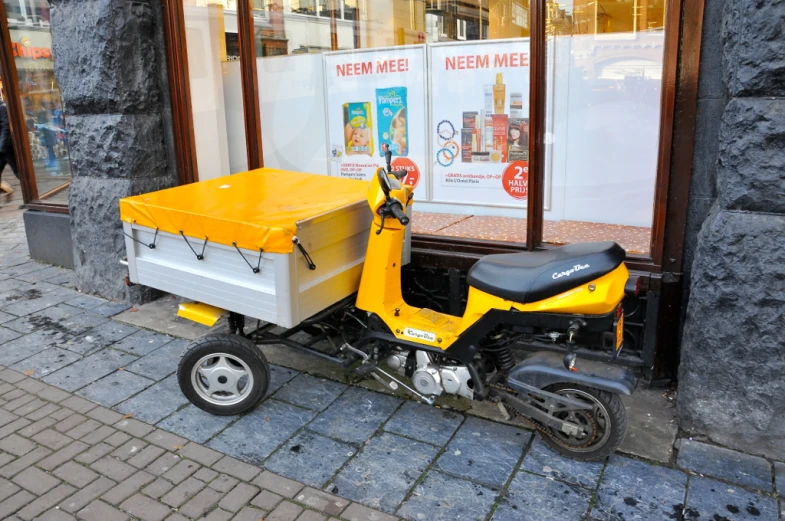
point(397, 211)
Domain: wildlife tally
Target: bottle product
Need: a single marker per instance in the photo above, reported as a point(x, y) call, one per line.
point(516, 104)
point(499, 94)
point(488, 99)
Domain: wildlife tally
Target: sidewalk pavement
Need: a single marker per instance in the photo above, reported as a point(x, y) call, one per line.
point(128, 445)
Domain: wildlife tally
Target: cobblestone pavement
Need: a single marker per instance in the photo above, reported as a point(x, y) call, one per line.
point(315, 448)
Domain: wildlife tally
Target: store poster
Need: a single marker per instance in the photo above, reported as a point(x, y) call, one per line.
point(480, 122)
point(377, 97)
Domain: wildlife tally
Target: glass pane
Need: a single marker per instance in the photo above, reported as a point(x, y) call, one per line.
point(216, 87)
point(31, 43)
point(10, 187)
point(339, 78)
point(603, 108)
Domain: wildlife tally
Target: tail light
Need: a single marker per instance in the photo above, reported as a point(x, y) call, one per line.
point(633, 286)
point(619, 311)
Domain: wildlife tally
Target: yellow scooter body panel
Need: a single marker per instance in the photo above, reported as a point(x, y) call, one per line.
point(380, 288)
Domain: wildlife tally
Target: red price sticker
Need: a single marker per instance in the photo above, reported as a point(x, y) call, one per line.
point(515, 179)
point(405, 164)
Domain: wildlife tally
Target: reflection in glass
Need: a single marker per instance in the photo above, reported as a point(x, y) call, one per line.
point(31, 44)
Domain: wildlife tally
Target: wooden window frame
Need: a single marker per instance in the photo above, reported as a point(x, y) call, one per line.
point(679, 85)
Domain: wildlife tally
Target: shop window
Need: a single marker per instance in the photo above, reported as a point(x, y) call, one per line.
point(49, 175)
point(445, 83)
point(604, 83)
point(215, 87)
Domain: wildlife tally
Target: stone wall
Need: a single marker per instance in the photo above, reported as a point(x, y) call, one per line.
point(732, 374)
point(109, 64)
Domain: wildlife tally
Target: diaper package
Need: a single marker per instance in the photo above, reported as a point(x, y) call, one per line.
point(392, 120)
point(358, 128)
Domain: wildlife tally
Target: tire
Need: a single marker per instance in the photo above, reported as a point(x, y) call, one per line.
point(233, 378)
point(613, 426)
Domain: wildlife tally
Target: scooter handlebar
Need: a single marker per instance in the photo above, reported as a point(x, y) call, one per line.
point(397, 211)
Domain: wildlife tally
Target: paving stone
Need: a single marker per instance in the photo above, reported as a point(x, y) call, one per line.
point(14, 426)
point(779, 471)
point(82, 498)
point(218, 515)
point(45, 502)
point(27, 346)
point(632, 489)
point(20, 464)
point(249, 514)
point(206, 475)
point(86, 302)
point(542, 498)
point(117, 439)
point(53, 394)
point(5, 317)
point(142, 342)
point(77, 426)
point(160, 363)
point(726, 464)
point(13, 395)
point(238, 497)
point(98, 435)
point(223, 483)
point(310, 515)
point(322, 501)
point(61, 456)
point(8, 334)
point(7, 489)
point(94, 453)
point(39, 426)
point(484, 451)
point(195, 424)
point(310, 392)
point(286, 511)
point(109, 309)
point(47, 319)
point(7, 417)
point(236, 468)
point(76, 474)
point(56, 515)
point(11, 376)
point(18, 403)
point(52, 439)
point(357, 512)
point(163, 464)
point(30, 385)
point(266, 500)
point(279, 376)
point(100, 511)
point(16, 445)
point(105, 416)
point(157, 488)
point(278, 484)
point(115, 388)
point(444, 498)
point(145, 508)
point(78, 404)
point(424, 423)
point(35, 300)
point(146, 456)
point(166, 440)
point(709, 499)
point(384, 471)
point(5, 458)
point(129, 449)
point(257, 434)
point(35, 481)
point(99, 337)
point(200, 454)
point(89, 369)
point(43, 412)
point(15, 502)
point(64, 413)
point(355, 416)
point(113, 468)
point(182, 492)
point(30, 407)
point(310, 458)
point(180, 472)
point(201, 503)
point(155, 403)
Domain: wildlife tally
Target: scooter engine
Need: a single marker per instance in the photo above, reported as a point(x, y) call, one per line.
point(432, 379)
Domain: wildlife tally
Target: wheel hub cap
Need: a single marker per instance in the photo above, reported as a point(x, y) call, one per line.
point(222, 379)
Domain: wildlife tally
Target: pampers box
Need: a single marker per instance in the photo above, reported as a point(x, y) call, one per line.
point(391, 119)
point(358, 128)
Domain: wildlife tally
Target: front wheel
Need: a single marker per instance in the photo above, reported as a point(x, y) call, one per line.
point(603, 427)
point(223, 374)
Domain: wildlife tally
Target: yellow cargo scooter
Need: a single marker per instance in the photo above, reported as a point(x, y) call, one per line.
point(560, 296)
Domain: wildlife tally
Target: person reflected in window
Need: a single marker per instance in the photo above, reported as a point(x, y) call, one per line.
point(46, 126)
point(7, 156)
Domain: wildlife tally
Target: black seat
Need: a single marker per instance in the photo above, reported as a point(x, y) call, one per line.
point(533, 276)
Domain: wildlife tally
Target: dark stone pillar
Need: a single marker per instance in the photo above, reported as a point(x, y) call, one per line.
point(110, 65)
point(732, 374)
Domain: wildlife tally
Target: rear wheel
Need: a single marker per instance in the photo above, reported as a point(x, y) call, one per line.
point(602, 428)
point(223, 374)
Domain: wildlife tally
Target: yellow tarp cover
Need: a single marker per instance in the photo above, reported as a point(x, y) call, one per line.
point(256, 209)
